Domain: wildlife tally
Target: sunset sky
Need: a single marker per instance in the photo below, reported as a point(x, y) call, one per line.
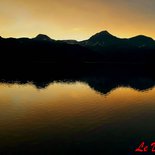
point(76, 19)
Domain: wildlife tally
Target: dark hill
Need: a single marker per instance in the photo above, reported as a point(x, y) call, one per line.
point(142, 41)
point(42, 37)
point(100, 48)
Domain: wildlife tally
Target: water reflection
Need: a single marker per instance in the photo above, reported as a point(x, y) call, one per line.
point(73, 118)
point(104, 85)
point(97, 112)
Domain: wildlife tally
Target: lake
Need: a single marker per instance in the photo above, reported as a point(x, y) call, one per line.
point(74, 117)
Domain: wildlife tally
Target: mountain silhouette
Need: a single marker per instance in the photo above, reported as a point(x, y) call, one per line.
point(142, 41)
point(103, 38)
point(71, 41)
point(101, 47)
point(103, 79)
point(42, 37)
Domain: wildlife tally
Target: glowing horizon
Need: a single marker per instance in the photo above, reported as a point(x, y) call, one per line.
point(68, 19)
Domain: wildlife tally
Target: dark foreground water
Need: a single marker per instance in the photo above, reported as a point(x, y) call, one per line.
point(73, 118)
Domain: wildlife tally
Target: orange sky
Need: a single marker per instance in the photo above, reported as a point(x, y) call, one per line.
point(72, 19)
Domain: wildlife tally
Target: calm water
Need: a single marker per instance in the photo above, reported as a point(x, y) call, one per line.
point(72, 118)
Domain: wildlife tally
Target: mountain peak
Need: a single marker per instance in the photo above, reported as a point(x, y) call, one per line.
point(103, 38)
point(142, 40)
point(105, 32)
point(103, 35)
point(43, 37)
point(142, 37)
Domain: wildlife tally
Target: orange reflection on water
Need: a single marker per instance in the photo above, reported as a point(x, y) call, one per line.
point(65, 110)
